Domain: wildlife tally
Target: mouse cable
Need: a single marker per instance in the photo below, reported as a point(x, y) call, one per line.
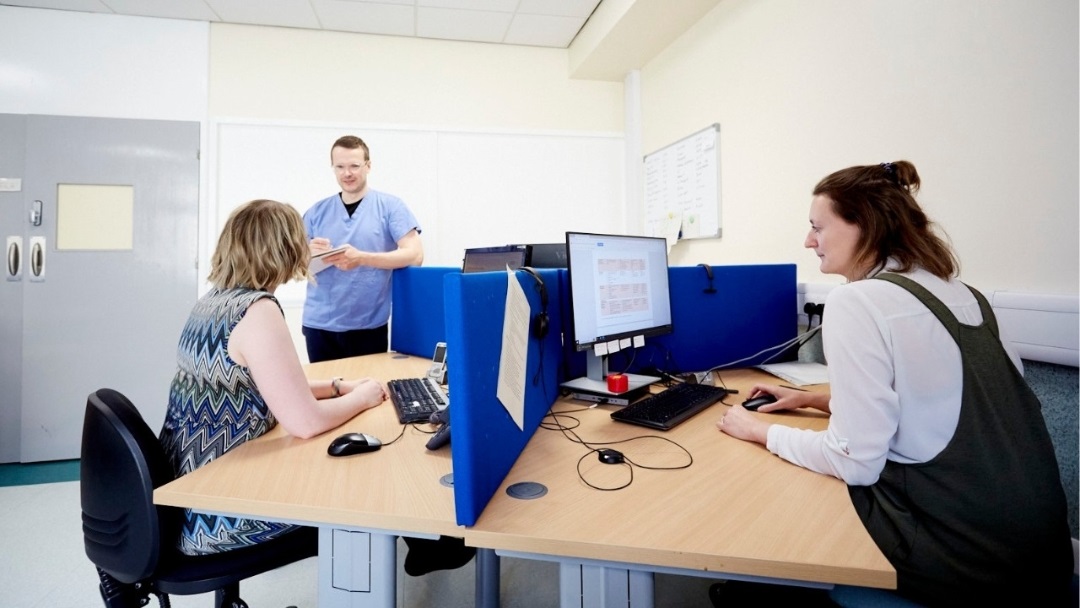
point(399, 435)
point(573, 437)
point(581, 476)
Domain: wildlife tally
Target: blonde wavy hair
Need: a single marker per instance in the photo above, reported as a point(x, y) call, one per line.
point(262, 246)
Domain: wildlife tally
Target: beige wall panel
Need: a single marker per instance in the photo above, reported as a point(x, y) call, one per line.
point(93, 216)
point(290, 74)
point(982, 97)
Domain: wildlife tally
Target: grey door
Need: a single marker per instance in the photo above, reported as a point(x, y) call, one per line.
point(110, 229)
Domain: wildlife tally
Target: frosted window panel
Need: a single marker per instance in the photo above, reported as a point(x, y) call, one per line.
point(94, 216)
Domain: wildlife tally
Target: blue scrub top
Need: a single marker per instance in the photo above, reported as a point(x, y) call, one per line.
point(358, 298)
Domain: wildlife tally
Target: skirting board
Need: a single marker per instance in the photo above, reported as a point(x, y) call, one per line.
point(1042, 327)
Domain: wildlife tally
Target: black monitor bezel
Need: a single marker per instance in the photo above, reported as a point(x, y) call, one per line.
point(523, 250)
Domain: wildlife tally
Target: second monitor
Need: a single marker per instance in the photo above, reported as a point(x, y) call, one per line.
point(618, 293)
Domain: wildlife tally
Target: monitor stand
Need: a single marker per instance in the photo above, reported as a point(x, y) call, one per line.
point(593, 386)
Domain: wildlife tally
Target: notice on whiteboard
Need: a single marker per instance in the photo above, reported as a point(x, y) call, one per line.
point(682, 188)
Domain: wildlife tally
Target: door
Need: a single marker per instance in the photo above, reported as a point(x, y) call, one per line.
point(110, 229)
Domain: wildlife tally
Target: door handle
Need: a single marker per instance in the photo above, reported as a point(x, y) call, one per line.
point(14, 258)
point(37, 258)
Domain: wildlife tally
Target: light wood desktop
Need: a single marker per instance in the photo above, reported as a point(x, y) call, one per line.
point(738, 510)
point(393, 490)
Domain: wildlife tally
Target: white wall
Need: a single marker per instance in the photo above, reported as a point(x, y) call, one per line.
point(80, 64)
point(980, 95)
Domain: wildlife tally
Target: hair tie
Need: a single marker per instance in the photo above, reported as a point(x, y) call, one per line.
point(890, 172)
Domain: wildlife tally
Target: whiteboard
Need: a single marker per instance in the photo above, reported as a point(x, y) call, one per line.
point(682, 188)
point(466, 188)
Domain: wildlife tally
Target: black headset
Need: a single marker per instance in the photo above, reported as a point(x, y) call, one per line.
point(539, 323)
point(708, 273)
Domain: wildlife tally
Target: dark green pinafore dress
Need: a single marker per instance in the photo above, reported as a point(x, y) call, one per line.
point(985, 520)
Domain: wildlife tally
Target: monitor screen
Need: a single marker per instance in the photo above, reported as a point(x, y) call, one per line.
point(618, 287)
point(548, 255)
point(486, 259)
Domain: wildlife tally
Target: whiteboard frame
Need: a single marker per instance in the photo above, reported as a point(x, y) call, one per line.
point(662, 223)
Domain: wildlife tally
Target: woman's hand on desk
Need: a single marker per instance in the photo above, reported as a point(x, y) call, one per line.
point(741, 424)
point(369, 391)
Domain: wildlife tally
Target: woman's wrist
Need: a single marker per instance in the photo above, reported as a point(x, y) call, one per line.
point(335, 387)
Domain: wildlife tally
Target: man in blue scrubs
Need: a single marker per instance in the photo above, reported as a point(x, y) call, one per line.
point(348, 308)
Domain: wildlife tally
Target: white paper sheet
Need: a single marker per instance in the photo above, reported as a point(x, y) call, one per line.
point(515, 350)
point(798, 373)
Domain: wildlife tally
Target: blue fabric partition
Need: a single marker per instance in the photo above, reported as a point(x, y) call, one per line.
point(417, 321)
point(485, 440)
point(754, 307)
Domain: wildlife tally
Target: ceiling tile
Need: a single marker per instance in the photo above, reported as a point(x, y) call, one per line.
point(562, 8)
point(499, 6)
point(543, 30)
point(86, 6)
point(399, 2)
point(450, 24)
point(169, 9)
point(286, 13)
point(366, 17)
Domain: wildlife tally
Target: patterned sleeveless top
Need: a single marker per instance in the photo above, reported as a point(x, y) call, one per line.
point(214, 406)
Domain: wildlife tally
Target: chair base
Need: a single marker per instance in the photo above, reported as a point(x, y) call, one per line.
point(135, 595)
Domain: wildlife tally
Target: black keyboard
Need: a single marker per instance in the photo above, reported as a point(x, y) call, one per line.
point(667, 409)
point(416, 399)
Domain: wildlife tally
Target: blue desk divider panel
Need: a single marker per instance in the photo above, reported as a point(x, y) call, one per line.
point(416, 322)
point(754, 307)
point(485, 440)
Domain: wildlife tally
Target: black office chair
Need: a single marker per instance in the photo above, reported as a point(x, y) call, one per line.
point(132, 541)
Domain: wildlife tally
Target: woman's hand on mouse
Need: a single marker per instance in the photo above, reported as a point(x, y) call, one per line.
point(741, 424)
point(789, 398)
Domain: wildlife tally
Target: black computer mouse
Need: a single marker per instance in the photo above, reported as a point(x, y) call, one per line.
point(754, 403)
point(353, 443)
point(609, 456)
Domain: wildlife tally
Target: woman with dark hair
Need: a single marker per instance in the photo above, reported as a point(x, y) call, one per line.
point(932, 426)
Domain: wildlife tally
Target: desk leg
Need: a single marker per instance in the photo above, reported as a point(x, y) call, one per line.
point(487, 578)
point(357, 569)
point(589, 586)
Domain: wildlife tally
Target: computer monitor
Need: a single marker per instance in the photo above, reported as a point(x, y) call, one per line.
point(548, 255)
point(618, 291)
point(486, 259)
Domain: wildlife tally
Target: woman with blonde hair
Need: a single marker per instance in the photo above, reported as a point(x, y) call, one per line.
point(238, 372)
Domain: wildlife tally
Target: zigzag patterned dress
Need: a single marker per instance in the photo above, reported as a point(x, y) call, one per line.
point(215, 406)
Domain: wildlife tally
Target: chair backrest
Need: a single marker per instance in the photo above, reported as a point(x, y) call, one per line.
point(122, 462)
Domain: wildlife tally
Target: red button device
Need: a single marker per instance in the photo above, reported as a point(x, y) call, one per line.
point(618, 383)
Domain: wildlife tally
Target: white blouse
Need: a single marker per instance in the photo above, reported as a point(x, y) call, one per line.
point(895, 377)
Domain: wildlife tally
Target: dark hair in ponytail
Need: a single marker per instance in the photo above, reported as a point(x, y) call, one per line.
point(880, 200)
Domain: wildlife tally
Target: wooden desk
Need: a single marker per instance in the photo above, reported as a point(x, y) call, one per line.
point(361, 503)
point(737, 512)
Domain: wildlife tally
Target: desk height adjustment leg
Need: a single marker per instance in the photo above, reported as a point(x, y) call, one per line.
point(357, 569)
point(592, 586)
point(487, 578)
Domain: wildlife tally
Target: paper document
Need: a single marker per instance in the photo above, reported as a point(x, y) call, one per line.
point(515, 350)
point(798, 373)
point(317, 265)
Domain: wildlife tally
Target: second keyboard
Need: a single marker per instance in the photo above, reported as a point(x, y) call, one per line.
point(672, 406)
point(416, 399)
